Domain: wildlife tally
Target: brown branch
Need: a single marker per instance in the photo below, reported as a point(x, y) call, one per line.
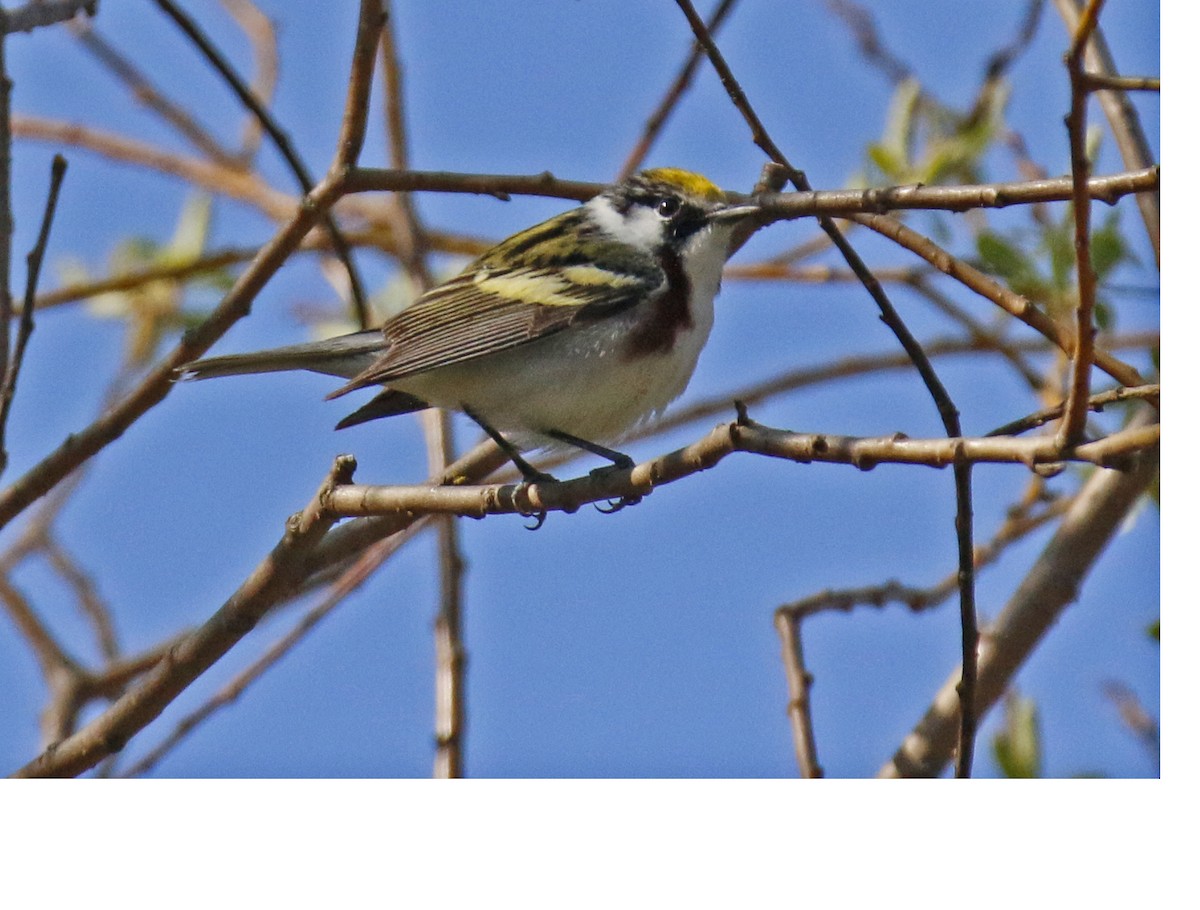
point(789, 617)
point(799, 683)
point(52, 658)
point(90, 604)
point(261, 34)
point(236, 184)
point(870, 44)
point(947, 412)
point(654, 124)
point(1096, 402)
point(991, 289)
point(144, 92)
point(500, 186)
point(1096, 83)
point(961, 198)
point(450, 651)
point(198, 651)
point(716, 406)
point(1075, 414)
point(369, 23)
point(6, 216)
point(8, 388)
point(409, 234)
point(154, 387)
point(351, 580)
point(863, 453)
point(1122, 118)
point(1047, 590)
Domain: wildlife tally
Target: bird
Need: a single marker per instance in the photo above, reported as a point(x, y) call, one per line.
point(569, 333)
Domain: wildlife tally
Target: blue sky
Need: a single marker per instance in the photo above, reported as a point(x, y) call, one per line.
point(637, 644)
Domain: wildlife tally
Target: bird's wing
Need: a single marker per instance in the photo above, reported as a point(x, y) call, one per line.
point(492, 306)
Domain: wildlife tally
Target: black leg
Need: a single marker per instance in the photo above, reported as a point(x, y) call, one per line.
point(620, 459)
point(620, 462)
point(528, 471)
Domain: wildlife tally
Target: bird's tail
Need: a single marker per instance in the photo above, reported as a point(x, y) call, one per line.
point(344, 356)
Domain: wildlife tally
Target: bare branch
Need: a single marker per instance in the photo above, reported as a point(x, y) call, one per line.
point(1049, 588)
point(279, 572)
point(946, 409)
point(8, 388)
point(674, 93)
point(144, 92)
point(369, 16)
point(1122, 118)
point(350, 581)
point(640, 480)
point(1075, 414)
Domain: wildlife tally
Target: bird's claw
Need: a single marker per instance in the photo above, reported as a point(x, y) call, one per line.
point(538, 515)
point(616, 505)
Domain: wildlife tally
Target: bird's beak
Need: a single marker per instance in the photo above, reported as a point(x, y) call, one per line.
point(735, 212)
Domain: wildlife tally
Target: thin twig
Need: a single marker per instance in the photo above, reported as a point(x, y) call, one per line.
point(6, 217)
point(1048, 589)
point(351, 580)
point(58, 170)
point(1071, 429)
point(1122, 117)
point(945, 406)
point(991, 289)
point(450, 651)
point(143, 91)
point(410, 237)
point(261, 34)
point(282, 142)
point(280, 571)
point(90, 604)
point(799, 683)
point(674, 93)
point(1095, 403)
point(198, 172)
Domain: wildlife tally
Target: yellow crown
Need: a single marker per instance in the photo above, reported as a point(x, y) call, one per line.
point(691, 183)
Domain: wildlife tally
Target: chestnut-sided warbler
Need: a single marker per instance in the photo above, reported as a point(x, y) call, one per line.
point(572, 331)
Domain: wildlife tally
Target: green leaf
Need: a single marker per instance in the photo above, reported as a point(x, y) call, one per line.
point(885, 159)
point(1001, 256)
point(898, 133)
point(1059, 241)
point(191, 231)
point(1017, 747)
point(1153, 630)
point(1108, 247)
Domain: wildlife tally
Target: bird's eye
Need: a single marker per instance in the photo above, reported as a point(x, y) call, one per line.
point(667, 206)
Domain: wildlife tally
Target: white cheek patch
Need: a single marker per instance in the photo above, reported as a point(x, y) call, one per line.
point(639, 226)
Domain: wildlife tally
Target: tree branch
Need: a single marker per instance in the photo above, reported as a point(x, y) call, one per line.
point(1050, 587)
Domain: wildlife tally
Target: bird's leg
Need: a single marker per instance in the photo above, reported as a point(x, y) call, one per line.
point(620, 462)
point(529, 473)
